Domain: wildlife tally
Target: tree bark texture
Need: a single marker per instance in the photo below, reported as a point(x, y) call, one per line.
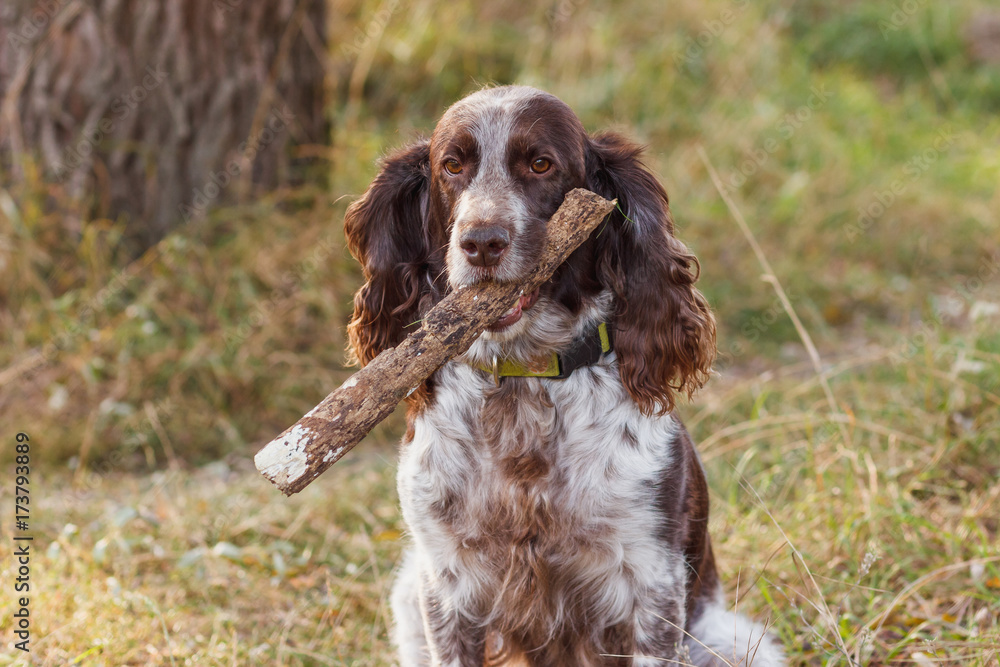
point(159, 109)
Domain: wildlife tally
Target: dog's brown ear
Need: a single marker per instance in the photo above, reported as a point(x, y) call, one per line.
point(664, 329)
point(386, 231)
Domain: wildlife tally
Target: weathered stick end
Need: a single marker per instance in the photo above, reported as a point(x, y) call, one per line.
point(285, 461)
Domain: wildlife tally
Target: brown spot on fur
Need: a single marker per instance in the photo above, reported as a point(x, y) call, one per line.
point(511, 427)
point(449, 508)
point(526, 468)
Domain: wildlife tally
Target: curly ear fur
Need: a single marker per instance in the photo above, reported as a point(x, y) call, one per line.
point(664, 329)
point(387, 231)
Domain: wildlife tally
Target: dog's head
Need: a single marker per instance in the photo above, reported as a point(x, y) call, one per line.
point(472, 203)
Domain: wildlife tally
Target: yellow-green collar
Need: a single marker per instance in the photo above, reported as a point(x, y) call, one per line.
point(585, 351)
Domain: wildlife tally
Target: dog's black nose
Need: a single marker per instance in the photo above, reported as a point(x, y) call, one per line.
point(484, 246)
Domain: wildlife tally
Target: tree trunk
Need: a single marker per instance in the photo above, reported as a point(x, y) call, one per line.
point(159, 109)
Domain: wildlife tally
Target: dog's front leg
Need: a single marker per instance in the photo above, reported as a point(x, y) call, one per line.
point(659, 633)
point(455, 640)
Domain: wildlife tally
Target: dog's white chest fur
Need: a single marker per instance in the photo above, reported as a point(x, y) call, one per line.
point(538, 498)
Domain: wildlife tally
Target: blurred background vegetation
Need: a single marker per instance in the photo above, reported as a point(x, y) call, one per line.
point(861, 141)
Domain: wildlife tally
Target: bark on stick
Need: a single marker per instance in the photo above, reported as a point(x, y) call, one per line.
point(331, 429)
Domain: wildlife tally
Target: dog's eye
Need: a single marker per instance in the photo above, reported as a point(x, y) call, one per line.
point(540, 166)
point(453, 166)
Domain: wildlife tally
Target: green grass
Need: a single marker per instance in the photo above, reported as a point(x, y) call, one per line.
point(136, 377)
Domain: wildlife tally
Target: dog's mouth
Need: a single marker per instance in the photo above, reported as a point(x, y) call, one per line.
point(513, 315)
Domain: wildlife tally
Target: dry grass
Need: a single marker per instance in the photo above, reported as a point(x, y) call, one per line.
point(881, 552)
point(211, 567)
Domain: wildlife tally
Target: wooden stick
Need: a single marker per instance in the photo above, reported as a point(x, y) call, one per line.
point(331, 429)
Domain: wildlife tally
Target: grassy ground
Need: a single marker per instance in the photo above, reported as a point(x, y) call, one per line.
point(860, 141)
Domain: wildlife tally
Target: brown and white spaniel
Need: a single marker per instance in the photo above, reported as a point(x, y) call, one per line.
point(558, 508)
